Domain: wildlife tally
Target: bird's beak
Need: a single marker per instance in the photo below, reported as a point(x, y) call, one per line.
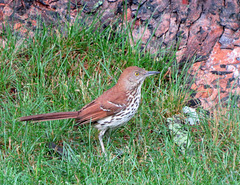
point(149, 73)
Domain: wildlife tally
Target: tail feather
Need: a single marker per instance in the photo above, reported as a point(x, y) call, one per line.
point(50, 116)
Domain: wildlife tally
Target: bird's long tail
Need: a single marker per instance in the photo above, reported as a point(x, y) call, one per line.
point(50, 116)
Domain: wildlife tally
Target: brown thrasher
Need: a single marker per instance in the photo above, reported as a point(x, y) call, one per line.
point(112, 109)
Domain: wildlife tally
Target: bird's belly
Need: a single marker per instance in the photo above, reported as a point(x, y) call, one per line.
point(119, 119)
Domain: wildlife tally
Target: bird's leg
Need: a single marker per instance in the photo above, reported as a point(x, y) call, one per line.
point(107, 135)
point(100, 137)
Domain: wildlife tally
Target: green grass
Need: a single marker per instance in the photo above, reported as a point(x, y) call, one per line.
point(62, 72)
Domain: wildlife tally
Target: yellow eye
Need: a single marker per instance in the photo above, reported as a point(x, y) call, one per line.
point(136, 73)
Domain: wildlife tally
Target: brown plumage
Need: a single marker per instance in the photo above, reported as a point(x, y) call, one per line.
point(112, 109)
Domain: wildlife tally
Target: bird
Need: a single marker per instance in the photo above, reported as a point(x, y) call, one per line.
point(111, 110)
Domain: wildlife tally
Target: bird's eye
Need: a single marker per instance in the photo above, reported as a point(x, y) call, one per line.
point(136, 73)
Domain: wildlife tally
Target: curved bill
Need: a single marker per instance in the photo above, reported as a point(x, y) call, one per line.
point(149, 73)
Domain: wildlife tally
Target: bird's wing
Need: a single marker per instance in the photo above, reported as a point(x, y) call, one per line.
point(104, 106)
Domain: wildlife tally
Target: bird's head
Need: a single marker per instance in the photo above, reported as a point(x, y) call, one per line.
point(134, 76)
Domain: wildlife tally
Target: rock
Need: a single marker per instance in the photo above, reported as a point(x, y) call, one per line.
point(217, 72)
point(236, 38)
point(194, 12)
point(7, 12)
point(163, 25)
point(141, 33)
point(1, 15)
point(202, 37)
point(179, 132)
point(191, 116)
point(208, 30)
point(170, 36)
point(226, 40)
point(161, 4)
point(229, 15)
